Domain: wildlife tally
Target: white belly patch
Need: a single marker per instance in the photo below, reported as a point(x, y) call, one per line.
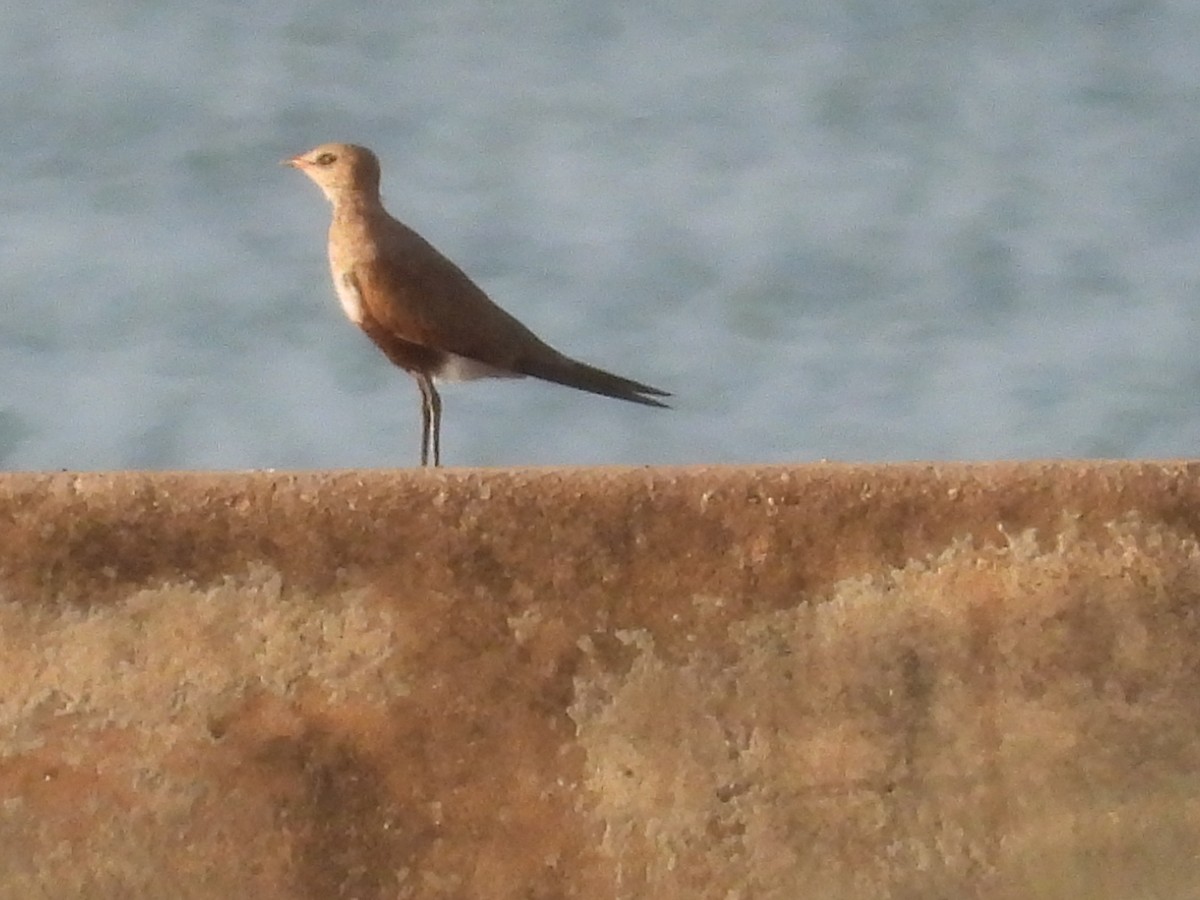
point(463, 368)
point(349, 296)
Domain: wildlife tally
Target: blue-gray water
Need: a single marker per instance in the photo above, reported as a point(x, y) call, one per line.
point(865, 230)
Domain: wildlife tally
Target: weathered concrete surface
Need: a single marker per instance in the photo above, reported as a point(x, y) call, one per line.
point(825, 681)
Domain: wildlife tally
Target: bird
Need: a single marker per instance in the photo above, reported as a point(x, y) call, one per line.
point(423, 311)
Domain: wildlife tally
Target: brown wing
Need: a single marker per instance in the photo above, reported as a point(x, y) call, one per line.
point(418, 296)
point(415, 358)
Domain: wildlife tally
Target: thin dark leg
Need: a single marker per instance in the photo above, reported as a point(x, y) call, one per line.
point(431, 420)
point(437, 424)
point(423, 383)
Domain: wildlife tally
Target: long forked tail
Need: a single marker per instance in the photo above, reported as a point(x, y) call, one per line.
point(572, 373)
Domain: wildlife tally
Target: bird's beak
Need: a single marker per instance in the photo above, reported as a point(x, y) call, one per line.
point(295, 162)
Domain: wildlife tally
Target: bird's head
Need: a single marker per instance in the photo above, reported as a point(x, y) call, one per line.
point(340, 170)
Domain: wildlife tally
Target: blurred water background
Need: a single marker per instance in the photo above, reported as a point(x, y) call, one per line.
point(846, 230)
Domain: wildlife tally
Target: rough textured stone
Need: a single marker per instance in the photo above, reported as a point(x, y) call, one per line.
point(837, 681)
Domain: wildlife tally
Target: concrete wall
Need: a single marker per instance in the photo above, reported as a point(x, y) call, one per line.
point(825, 681)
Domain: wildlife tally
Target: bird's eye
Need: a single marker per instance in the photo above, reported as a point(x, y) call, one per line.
point(326, 159)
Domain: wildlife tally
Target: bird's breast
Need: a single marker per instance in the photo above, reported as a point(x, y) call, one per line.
point(351, 249)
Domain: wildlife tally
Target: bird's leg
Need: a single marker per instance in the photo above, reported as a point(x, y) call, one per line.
point(423, 383)
point(431, 420)
point(437, 424)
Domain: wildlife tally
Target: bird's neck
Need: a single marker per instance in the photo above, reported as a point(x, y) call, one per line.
point(356, 205)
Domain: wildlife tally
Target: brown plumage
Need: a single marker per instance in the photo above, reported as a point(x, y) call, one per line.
point(423, 311)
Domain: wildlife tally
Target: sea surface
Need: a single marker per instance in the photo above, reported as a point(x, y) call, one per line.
point(859, 230)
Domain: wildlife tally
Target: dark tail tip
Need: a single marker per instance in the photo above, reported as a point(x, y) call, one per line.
point(582, 377)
